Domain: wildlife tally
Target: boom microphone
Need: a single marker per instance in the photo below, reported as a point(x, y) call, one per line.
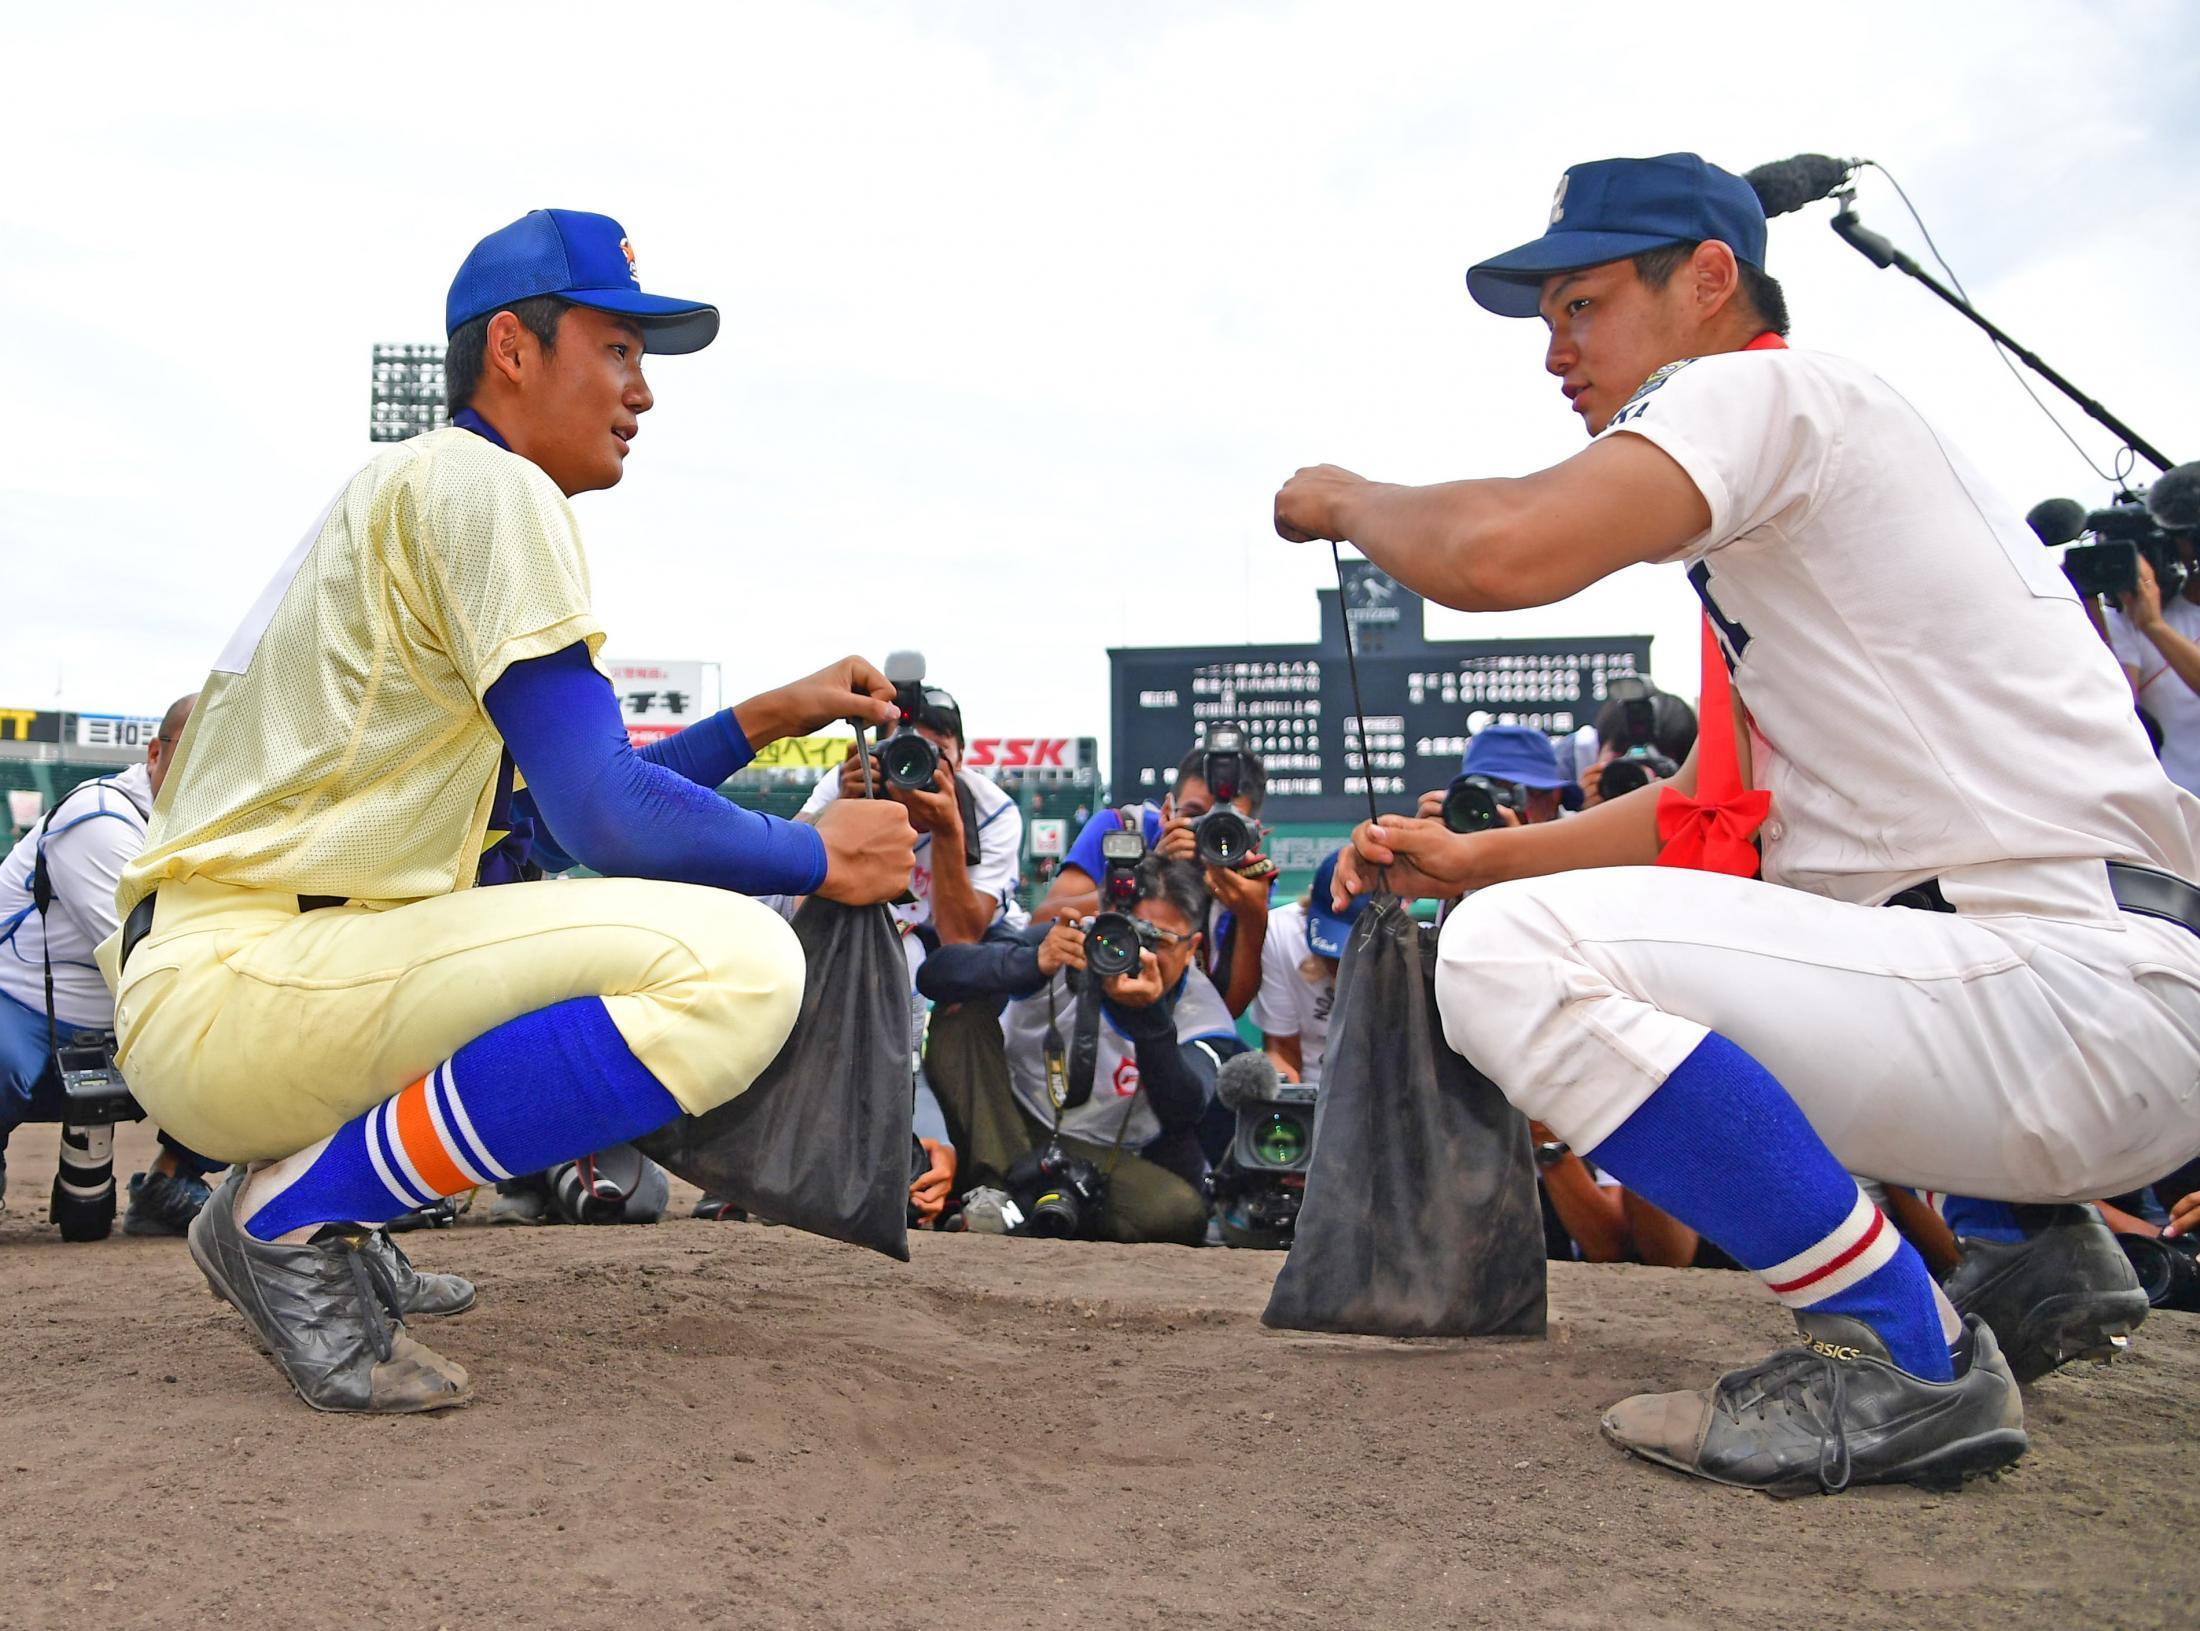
point(1246, 1078)
point(1789, 184)
point(2056, 520)
point(2174, 499)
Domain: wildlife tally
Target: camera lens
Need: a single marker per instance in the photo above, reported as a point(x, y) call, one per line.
point(1224, 837)
point(1470, 807)
point(1281, 1139)
point(1112, 944)
point(1621, 777)
point(909, 760)
point(1055, 1215)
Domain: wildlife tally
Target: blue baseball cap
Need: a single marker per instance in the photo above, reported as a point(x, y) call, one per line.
point(576, 256)
point(1519, 754)
point(1326, 930)
point(1614, 208)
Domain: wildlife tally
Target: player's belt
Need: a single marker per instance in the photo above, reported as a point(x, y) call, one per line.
point(2143, 890)
point(139, 923)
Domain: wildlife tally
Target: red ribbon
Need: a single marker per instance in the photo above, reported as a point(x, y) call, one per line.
point(1712, 831)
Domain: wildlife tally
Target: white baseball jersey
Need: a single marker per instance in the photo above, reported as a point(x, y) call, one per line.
point(92, 834)
point(1116, 1105)
point(1924, 692)
point(1000, 847)
point(2161, 693)
point(1289, 1002)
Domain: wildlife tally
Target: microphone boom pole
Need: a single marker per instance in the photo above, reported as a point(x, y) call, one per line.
point(1881, 253)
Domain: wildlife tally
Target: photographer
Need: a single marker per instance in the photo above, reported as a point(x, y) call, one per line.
point(85, 841)
point(970, 833)
point(1520, 764)
point(1156, 1042)
point(1298, 980)
point(2158, 644)
point(1236, 925)
point(1650, 735)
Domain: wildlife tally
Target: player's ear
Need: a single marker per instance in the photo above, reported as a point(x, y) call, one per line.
point(1715, 278)
point(508, 348)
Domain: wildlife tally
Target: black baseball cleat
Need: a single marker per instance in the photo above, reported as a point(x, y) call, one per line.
point(436, 1296)
point(1834, 1412)
point(326, 1312)
point(2065, 1291)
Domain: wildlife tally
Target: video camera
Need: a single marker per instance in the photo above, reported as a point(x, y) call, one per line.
point(2138, 522)
point(1224, 836)
point(1639, 759)
point(1114, 937)
point(1471, 803)
point(1259, 1186)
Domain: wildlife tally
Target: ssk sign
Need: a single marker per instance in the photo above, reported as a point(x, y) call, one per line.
point(1021, 753)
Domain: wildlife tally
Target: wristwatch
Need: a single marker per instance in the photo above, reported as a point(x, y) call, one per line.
point(1548, 1155)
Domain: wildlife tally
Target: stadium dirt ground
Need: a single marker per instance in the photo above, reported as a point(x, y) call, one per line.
point(723, 1425)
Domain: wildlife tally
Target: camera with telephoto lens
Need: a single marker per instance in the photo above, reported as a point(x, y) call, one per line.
point(93, 1093)
point(2168, 1267)
point(1471, 803)
point(1260, 1184)
point(1062, 1196)
point(1639, 758)
point(1224, 836)
point(907, 759)
point(1114, 937)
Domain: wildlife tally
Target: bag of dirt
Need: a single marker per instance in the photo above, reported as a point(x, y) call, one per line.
point(822, 1139)
point(1420, 1217)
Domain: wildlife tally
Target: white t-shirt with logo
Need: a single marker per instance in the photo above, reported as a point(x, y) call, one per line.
point(2169, 699)
point(1200, 1017)
point(1000, 848)
point(1290, 1003)
point(1924, 691)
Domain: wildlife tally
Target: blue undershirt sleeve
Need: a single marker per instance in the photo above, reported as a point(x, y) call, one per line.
point(707, 753)
point(623, 814)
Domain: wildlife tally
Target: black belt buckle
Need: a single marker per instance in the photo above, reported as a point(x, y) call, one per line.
point(135, 928)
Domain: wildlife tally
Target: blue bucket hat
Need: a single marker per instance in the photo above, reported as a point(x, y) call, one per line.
point(1326, 930)
point(1614, 208)
point(580, 257)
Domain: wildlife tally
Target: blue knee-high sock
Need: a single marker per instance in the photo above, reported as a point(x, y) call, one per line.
point(1970, 1218)
point(1723, 1148)
point(547, 1087)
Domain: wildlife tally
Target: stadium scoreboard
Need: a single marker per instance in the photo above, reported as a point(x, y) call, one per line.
point(1294, 702)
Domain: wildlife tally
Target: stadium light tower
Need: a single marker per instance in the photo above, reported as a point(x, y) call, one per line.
point(408, 392)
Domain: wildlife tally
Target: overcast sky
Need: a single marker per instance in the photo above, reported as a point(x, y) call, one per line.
point(1029, 307)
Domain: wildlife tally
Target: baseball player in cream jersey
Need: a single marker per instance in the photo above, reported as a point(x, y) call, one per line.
point(307, 982)
point(1934, 720)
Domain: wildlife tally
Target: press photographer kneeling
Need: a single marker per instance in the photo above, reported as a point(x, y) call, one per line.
point(1088, 1114)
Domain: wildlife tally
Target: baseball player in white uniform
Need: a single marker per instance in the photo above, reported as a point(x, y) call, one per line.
point(1922, 698)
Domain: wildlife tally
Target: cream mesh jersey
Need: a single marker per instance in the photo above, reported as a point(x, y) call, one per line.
point(340, 746)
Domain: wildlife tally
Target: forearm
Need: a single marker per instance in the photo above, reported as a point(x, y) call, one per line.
point(1248, 933)
point(707, 753)
point(1004, 963)
point(1617, 832)
point(2180, 653)
point(1593, 1215)
point(959, 913)
point(1289, 1052)
point(1178, 1078)
point(1072, 891)
point(1458, 543)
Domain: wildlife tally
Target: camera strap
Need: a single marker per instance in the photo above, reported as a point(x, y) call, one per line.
point(42, 890)
point(1084, 1046)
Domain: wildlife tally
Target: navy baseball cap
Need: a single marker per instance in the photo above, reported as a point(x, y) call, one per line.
point(1519, 754)
point(1326, 930)
point(1614, 208)
point(576, 256)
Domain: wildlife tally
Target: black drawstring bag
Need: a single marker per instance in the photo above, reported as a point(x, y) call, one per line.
point(1420, 1216)
point(821, 1140)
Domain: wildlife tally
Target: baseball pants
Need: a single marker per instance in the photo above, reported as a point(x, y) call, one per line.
point(2036, 1044)
point(251, 1029)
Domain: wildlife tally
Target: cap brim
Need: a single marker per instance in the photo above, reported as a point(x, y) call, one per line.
point(1511, 284)
point(670, 326)
point(1326, 933)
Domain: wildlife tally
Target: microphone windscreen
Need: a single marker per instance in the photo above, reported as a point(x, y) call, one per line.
point(1246, 1078)
point(2056, 520)
point(2174, 499)
point(1789, 184)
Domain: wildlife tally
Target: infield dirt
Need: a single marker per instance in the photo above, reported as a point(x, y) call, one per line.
point(726, 1425)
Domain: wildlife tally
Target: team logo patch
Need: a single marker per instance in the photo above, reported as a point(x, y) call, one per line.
point(1558, 199)
point(626, 248)
point(1636, 405)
